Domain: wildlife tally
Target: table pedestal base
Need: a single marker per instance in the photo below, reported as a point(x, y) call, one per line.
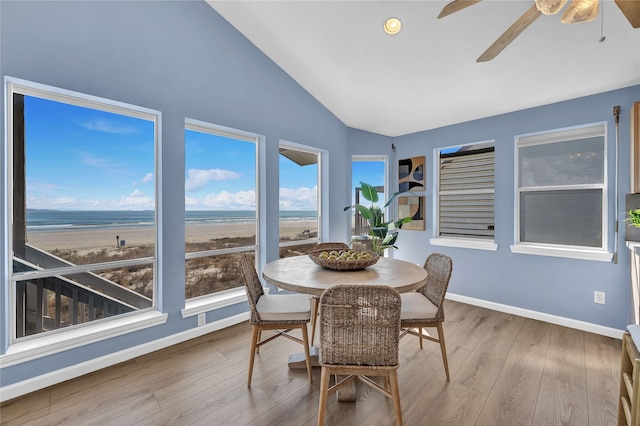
point(297, 362)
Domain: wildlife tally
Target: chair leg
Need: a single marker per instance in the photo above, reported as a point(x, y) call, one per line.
point(443, 349)
point(307, 355)
point(254, 341)
point(314, 316)
point(395, 393)
point(324, 394)
point(257, 340)
point(420, 337)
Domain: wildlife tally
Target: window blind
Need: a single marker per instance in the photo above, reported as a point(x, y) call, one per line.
point(466, 196)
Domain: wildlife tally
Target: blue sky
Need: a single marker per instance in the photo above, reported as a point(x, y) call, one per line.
point(85, 159)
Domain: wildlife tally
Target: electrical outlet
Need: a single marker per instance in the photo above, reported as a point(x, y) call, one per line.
point(202, 319)
point(598, 297)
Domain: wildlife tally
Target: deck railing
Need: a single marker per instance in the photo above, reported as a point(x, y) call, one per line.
point(49, 303)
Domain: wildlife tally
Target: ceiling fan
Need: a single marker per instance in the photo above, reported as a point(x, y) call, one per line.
point(578, 11)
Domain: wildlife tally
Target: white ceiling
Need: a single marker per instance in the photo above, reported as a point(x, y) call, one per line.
point(427, 76)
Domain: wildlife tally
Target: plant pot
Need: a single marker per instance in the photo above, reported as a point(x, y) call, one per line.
point(631, 233)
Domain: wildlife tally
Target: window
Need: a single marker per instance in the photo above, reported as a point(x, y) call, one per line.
point(561, 181)
point(465, 195)
point(370, 170)
point(220, 207)
point(82, 206)
point(299, 198)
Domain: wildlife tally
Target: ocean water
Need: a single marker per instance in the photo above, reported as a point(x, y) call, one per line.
point(58, 220)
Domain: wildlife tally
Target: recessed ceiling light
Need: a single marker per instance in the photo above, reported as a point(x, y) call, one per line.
point(392, 26)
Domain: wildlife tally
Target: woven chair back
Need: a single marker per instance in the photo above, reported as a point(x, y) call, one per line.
point(359, 325)
point(252, 285)
point(331, 246)
point(439, 268)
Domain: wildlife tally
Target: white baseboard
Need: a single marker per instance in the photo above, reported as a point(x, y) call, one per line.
point(58, 376)
point(541, 316)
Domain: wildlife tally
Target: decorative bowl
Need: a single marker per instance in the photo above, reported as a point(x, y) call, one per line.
point(344, 265)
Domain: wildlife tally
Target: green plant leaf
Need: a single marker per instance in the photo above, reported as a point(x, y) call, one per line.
point(633, 217)
point(398, 223)
point(380, 231)
point(394, 195)
point(369, 192)
point(364, 212)
point(375, 220)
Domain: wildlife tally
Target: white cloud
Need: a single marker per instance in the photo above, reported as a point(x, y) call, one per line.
point(241, 200)
point(107, 126)
point(147, 178)
point(137, 200)
point(290, 199)
point(299, 198)
point(198, 178)
point(104, 164)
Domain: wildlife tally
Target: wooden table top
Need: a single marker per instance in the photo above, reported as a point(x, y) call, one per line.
point(301, 275)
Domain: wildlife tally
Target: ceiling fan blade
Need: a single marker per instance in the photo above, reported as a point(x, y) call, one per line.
point(455, 6)
point(631, 10)
point(580, 11)
point(508, 36)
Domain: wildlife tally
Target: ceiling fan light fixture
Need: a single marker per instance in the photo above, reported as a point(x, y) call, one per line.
point(550, 7)
point(392, 26)
point(580, 11)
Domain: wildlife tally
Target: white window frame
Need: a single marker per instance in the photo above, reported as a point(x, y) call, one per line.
point(321, 203)
point(461, 242)
point(558, 250)
point(222, 299)
point(44, 344)
point(387, 184)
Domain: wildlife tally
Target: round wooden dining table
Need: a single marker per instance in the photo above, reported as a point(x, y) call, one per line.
point(301, 275)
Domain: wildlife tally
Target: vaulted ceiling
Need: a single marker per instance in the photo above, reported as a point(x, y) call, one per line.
point(427, 75)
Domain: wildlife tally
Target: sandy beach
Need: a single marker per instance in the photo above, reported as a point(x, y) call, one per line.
point(99, 238)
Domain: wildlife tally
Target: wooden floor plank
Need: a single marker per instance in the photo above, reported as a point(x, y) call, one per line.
point(481, 369)
point(536, 333)
point(602, 355)
point(467, 327)
point(512, 400)
point(22, 410)
point(456, 405)
point(560, 403)
point(565, 360)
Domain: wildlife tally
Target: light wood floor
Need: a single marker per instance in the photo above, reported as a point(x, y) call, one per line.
point(505, 370)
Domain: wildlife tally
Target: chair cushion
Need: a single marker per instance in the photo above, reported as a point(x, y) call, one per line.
point(284, 307)
point(416, 306)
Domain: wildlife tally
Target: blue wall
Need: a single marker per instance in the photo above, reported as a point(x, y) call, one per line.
point(183, 59)
point(557, 286)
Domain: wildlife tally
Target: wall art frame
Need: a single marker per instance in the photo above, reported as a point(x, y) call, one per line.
point(411, 177)
point(412, 206)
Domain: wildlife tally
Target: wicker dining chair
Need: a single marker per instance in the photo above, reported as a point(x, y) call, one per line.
point(424, 308)
point(315, 299)
point(359, 336)
point(282, 313)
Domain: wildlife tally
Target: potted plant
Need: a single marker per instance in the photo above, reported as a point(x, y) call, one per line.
point(633, 217)
point(382, 234)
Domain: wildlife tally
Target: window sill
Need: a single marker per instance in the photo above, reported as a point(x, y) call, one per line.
point(464, 243)
point(54, 342)
point(211, 302)
point(582, 254)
